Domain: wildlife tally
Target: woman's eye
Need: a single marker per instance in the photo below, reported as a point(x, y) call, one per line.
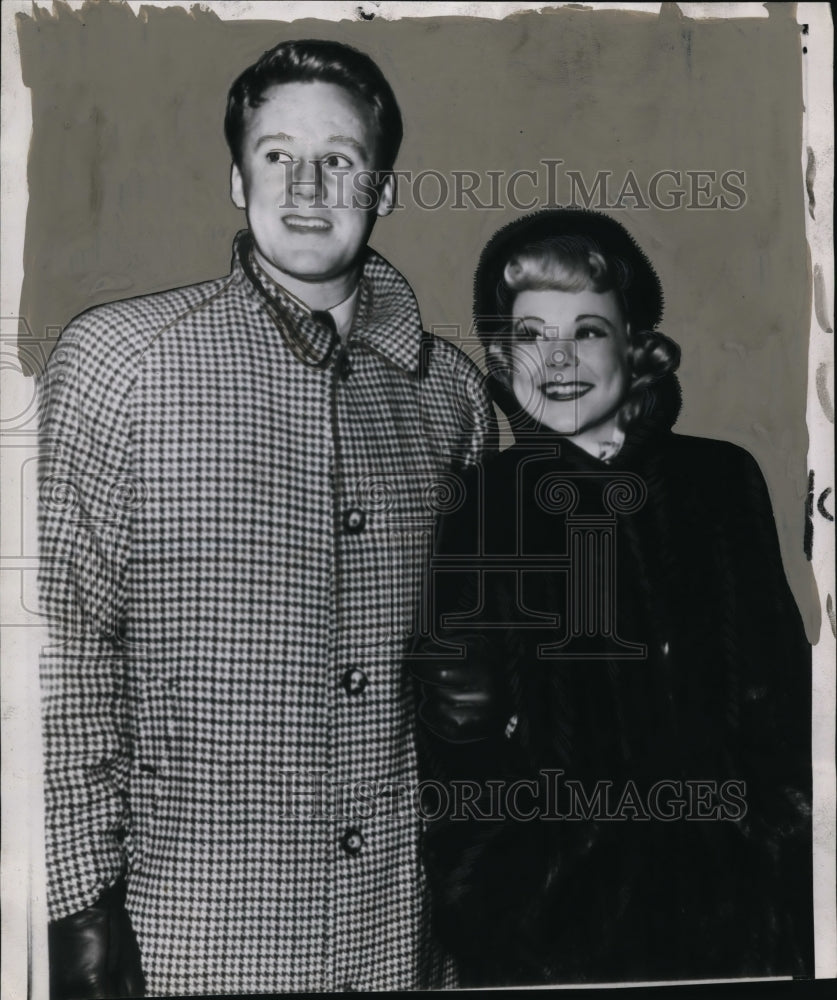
point(335, 161)
point(589, 332)
point(278, 156)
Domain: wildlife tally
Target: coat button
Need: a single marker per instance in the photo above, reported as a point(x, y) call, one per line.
point(354, 521)
point(354, 680)
point(351, 842)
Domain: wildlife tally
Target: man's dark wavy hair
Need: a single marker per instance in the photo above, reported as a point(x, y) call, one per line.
point(312, 60)
point(570, 249)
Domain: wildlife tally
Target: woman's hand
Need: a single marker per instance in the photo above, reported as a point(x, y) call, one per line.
point(458, 702)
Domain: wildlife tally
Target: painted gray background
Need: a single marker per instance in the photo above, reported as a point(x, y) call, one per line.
point(128, 177)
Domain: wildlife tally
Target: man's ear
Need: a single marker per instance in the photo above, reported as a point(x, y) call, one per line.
point(386, 196)
point(237, 188)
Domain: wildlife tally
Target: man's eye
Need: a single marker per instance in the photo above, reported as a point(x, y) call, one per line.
point(278, 156)
point(589, 332)
point(336, 161)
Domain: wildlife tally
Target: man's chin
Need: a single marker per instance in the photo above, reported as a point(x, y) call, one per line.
point(309, 267)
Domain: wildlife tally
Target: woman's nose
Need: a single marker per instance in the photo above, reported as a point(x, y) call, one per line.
point(560, 357)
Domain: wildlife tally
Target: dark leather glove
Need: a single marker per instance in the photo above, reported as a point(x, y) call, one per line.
point(459, 702)
point(94, 953)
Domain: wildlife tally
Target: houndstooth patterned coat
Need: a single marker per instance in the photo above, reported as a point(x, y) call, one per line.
point(234, 515)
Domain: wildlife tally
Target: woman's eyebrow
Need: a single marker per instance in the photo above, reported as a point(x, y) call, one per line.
point(603, 319)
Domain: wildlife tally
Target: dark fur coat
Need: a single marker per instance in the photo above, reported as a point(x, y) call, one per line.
point(644, 638)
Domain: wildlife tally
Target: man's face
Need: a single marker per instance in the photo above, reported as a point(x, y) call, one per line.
point(306, 156)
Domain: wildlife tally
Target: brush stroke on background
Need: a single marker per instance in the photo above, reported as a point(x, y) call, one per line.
point(128, 177)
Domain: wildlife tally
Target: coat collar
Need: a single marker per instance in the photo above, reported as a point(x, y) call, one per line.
point(387, 320)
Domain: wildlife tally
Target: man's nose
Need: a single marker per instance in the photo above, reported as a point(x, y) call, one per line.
point(307, 179)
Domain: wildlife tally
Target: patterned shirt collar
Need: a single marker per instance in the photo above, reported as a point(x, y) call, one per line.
point(387, 320)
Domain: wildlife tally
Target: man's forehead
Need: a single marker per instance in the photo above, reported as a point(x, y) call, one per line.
point(337, 138)
point(313, 104)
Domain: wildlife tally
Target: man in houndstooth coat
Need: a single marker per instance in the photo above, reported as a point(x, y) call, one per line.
point(238, 485)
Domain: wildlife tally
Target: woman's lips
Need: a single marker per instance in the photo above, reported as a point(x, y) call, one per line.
point(306, 223)
point(562, 392)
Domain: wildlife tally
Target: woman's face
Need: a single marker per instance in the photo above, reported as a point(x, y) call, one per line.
point(570, 368)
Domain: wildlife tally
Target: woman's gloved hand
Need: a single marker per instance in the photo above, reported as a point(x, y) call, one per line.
point(459, 702)
point(94, 953)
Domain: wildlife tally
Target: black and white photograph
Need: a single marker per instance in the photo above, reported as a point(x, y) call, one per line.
point(417, 496)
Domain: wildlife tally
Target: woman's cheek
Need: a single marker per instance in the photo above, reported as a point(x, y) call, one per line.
point(530, 364)
point(524, 378)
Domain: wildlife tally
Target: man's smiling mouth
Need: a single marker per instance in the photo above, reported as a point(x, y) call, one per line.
point(306, 224)
point(562, 392)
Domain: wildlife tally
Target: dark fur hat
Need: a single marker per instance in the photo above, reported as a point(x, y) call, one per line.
point(642, 292)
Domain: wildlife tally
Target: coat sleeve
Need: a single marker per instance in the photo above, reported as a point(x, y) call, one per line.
point(85, 499)
point(775, 719)
point(776, 652)
point(485, 432)
point(461, 417)
point(484, 868)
